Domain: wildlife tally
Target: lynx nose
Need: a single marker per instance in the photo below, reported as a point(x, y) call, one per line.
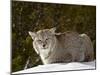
point(43, 45)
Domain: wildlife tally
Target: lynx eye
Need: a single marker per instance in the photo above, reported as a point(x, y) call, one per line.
point(47, 39)
point(39, 40)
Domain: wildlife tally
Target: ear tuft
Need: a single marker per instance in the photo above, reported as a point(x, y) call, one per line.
point(52, 30)
point(32, 34)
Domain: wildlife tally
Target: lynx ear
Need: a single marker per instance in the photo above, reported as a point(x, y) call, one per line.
point(32, 34)
point(52, 30)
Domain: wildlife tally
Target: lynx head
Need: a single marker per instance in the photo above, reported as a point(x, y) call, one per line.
point(43, 40)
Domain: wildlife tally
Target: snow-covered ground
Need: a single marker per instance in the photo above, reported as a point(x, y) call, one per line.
point(58, 67)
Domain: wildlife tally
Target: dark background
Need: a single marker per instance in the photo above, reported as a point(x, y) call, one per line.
point(33, 16)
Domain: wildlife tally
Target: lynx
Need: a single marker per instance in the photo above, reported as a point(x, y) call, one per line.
point(64, 47)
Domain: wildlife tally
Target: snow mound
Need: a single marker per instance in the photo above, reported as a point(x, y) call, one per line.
point(59, 67)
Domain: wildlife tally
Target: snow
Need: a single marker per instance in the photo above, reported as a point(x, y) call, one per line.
point(58, 67)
